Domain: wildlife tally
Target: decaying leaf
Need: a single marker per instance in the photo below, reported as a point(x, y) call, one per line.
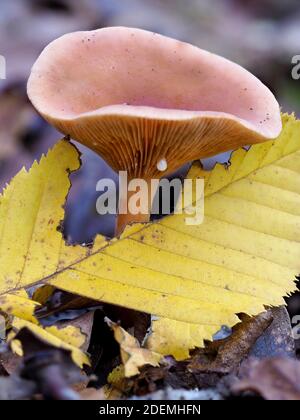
point(80, 328)
point(69, 338)
point(44, 369)
point(218, 366)
point(43, 293)
point(277, 340)
point(225, 356)
point(244, 256)
point(117, 384)
point(133, 356)
point(273, 379)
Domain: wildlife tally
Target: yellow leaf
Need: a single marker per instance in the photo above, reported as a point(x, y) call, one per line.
point(116, 384)
point(244, 256)
point(43, 293)
point(21, 293)
point(23, 310)
point(177, 338)
point(133, 356)
point(19, 306)
point(69, 338)
point(203, 274)
point(251, 213)
point(30, 212)
point(70, 335)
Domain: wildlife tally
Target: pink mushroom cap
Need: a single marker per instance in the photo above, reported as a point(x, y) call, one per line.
point(136, 97)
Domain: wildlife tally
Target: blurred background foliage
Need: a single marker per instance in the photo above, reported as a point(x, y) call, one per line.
point(261, 35)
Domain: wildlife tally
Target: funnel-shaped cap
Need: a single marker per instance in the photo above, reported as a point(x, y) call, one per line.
point(147, 103)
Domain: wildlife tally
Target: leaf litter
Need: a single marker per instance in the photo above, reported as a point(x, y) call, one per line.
point(94, 274)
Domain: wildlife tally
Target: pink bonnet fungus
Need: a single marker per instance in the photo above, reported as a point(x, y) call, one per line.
point(148, 104)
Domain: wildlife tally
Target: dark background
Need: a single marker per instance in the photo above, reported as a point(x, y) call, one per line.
point(261, 35)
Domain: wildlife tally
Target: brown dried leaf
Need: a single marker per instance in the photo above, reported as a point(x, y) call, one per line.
point(133, 355)
point(225, 356)
point(277, 340)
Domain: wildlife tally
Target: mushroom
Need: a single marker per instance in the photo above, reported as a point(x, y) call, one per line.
point(149, 104)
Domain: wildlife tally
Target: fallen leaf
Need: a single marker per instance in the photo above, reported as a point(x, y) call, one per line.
point(80, 328)
point(133, 356)
point(19, 306)
point(69, 338)
point(117, 385)
point(218, 364)
point(135, 322)
point(60, 305)
point(244, 256)
point(175, 338)
point(43, 293)
point(225, 356)
point(277, 340)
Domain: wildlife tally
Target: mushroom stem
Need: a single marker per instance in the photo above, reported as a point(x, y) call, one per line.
point(128, 218)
